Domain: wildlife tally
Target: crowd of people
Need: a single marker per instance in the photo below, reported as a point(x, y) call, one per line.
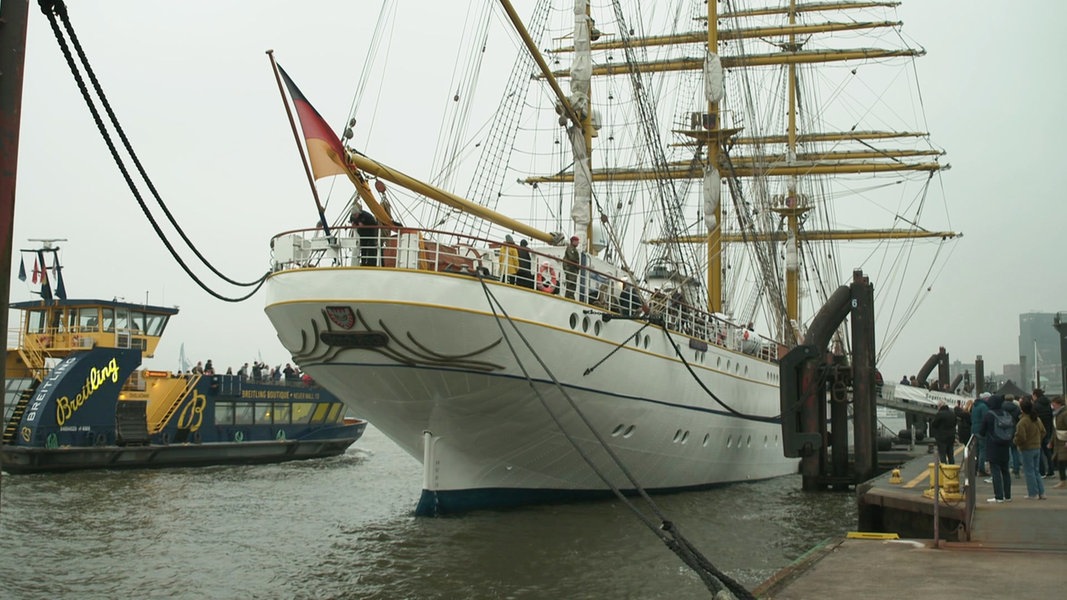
point(1016, 437)
point(259, 372)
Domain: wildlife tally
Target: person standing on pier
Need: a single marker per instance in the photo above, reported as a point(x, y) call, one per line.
point(978, 412)
point(963, 422)
point(998, 428)
point(1059, 440)
point(1028, 435)
point(1011, 407)
point(1043, 409)
point(943, 430)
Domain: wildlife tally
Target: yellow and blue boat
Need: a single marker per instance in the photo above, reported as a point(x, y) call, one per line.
point(76, 397)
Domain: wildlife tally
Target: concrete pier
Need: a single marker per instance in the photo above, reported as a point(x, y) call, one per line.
point(1013, 549)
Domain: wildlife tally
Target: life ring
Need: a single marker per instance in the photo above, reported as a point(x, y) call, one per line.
point(546, 278)
point(165, 438)
point(281, 435)
point(239, 436)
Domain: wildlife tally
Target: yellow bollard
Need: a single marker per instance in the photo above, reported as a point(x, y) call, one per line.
point(894, 477)
point(949, 481)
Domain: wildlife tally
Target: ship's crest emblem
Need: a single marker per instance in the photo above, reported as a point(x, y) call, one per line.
point(341, 316)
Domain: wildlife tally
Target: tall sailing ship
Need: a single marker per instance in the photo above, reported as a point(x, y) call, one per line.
point(665, 262)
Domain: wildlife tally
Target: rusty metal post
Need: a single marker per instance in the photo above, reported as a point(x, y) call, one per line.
point(979, 376)
point(864, 415)
point(942, 369)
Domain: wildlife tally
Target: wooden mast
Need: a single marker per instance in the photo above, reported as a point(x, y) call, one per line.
point(714, 233)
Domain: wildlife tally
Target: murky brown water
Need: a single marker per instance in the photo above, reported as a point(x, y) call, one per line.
point(343, 528)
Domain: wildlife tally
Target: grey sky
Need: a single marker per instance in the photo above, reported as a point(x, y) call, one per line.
point(191, 84)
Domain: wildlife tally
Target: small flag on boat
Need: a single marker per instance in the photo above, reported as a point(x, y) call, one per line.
point(22, 269)
point(36, 271)
point(61, 290)
point(325, 152)
point(46, 288)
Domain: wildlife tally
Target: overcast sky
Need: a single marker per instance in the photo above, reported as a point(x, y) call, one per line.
point(191, 84)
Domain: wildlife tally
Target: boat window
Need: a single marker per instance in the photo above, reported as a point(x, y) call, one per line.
point(122, 318)
point(335, 413)
point(224, 413)
point(242, 413)
point(137, 321)
point(302, 411)
point(109, 319)
point(35, 321)
point(281, 413)
point(88, 319)
point(320, 412)
point(154, 324)
point(263, 413)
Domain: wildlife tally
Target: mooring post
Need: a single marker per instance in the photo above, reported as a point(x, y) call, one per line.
point(864, 415)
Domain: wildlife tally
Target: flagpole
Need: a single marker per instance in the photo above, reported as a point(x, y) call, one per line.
point(299, 145)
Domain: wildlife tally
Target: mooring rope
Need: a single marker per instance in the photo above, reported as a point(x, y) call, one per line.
point(715, 580)
point(52, 8)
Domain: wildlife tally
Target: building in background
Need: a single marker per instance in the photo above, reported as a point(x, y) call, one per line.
point(1039, 354)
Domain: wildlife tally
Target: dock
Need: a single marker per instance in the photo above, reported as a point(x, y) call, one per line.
point(1011, 549)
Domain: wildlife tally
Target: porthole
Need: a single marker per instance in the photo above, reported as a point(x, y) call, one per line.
point(718, 361)
point(585, 324)
point(596, 328)
point(629, 431)
point(707, 436)
point(765, 441)
point(574, 320)
point(618, 429)
point(677, 436)
point(746, 369)
point(685, 437)
point(748, 442)
point(646, 342)
point(727, 365)
point(729, 441)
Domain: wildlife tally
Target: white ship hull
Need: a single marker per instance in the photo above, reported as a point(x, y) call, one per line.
point(456, 387)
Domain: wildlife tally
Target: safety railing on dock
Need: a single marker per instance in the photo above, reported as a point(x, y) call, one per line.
point(424, 250)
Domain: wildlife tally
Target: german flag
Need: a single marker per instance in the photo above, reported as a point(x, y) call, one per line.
point(325, 152)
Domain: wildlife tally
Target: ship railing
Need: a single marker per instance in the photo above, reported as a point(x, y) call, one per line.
point(454, 253)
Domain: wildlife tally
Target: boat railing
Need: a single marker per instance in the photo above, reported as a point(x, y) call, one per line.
point(423, 250)
point(166, 409)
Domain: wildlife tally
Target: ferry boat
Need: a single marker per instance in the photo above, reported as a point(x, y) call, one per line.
point(76, 397)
